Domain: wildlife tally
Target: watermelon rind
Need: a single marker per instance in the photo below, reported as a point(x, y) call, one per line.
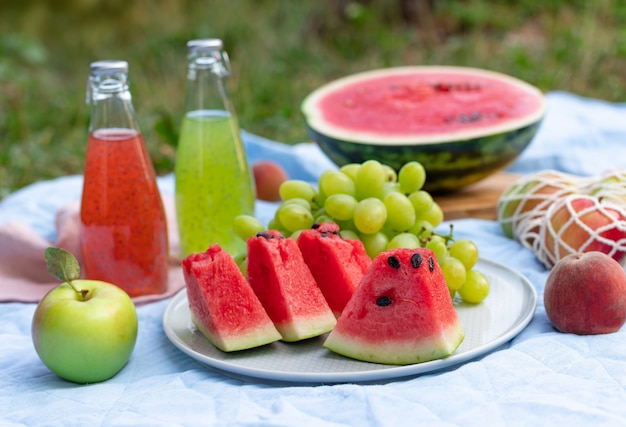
point(452, 159)
point(242, 340)
point(432, 348)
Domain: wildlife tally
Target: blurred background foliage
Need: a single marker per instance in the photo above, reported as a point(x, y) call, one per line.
point(280, 50)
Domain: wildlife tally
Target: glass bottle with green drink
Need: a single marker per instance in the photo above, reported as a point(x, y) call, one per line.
point(212, 177)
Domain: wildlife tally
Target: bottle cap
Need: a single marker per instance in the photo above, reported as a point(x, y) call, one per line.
point(108, 67)
point(208, 54)
point(205, 44)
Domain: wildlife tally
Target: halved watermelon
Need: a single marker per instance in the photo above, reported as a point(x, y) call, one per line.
point(460, 123)
point(286, 288)
point(222, 304)
point(401, 313)
point(337, 265)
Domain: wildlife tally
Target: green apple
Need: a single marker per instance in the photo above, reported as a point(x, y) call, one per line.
point(83, 330)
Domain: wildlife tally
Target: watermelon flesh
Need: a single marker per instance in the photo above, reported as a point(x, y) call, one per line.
point(222, 304)
point(401, 313)
point(285, 286)
point(337, 265)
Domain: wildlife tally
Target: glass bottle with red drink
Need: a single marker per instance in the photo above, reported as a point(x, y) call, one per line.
point(123, 225)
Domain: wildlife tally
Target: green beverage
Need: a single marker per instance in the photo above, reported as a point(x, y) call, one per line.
point(213, 182)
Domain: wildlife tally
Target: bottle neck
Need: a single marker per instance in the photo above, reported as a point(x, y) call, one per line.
point(206, 83)
point(111, 103)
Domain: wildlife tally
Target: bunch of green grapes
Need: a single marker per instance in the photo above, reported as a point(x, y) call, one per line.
point(383, 209)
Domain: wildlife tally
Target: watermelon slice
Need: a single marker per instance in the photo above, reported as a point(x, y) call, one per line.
point(286, 288)
point(222, 304)
point(401, 313)
point(337, 265)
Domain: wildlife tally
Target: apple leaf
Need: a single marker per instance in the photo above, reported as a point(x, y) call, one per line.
point(62, 264)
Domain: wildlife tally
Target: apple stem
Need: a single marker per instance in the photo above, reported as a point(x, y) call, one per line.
point(82, 292)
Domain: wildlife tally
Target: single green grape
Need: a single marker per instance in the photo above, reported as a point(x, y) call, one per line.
point(281, 230)
point(274, 224)
point(295, 217)
point(465, 251)
point(438, 246)
point(246, 226)
point(296, 201)
point(340, 206)
point(323, 218)
point(411, 177)
point(370, 215)
point(374, 243)
point(296, 234)
point(476, 287)
point(391, 175)
point(370, 179)
point(348, 235)
point(390, 187)
point(400, 212)
point(350, 170)
point(422, 228)
point(422, 201)
point(404, 240)
point(434, 215)
point(295, 188)
point(318, 199)
point(335, 182)
point(453, 271)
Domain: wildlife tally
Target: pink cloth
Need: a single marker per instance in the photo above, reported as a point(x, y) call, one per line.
point(24, 276)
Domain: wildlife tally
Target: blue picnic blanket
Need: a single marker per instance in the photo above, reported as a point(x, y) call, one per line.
point(541, 377)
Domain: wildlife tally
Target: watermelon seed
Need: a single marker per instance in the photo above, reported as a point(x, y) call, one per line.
point(469, 118)
point(416, 260)
point(431, 263)
point(384, 301)
point(393, 262)
point(458, 87)
point(264, 234)
point(315, 226)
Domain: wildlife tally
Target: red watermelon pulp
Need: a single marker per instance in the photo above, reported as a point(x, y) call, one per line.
point(401, 313)
point(286, 288)
point(222, 304)
point(337, 264)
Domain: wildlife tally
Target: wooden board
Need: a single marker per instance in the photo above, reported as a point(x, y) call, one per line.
point(478, 200)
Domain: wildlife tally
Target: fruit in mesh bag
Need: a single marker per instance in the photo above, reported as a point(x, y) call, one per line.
point(581, 223)
point(586, 294)
point(524, 204)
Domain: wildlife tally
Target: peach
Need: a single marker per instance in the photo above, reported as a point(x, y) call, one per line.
point(580, 223)
point(585, 294)
point(268, 176)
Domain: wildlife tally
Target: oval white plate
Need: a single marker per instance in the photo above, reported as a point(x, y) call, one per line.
point(507, 310)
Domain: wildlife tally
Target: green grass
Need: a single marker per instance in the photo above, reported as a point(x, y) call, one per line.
point(280, 50)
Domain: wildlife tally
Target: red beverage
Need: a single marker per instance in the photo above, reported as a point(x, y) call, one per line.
point(123, 226)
